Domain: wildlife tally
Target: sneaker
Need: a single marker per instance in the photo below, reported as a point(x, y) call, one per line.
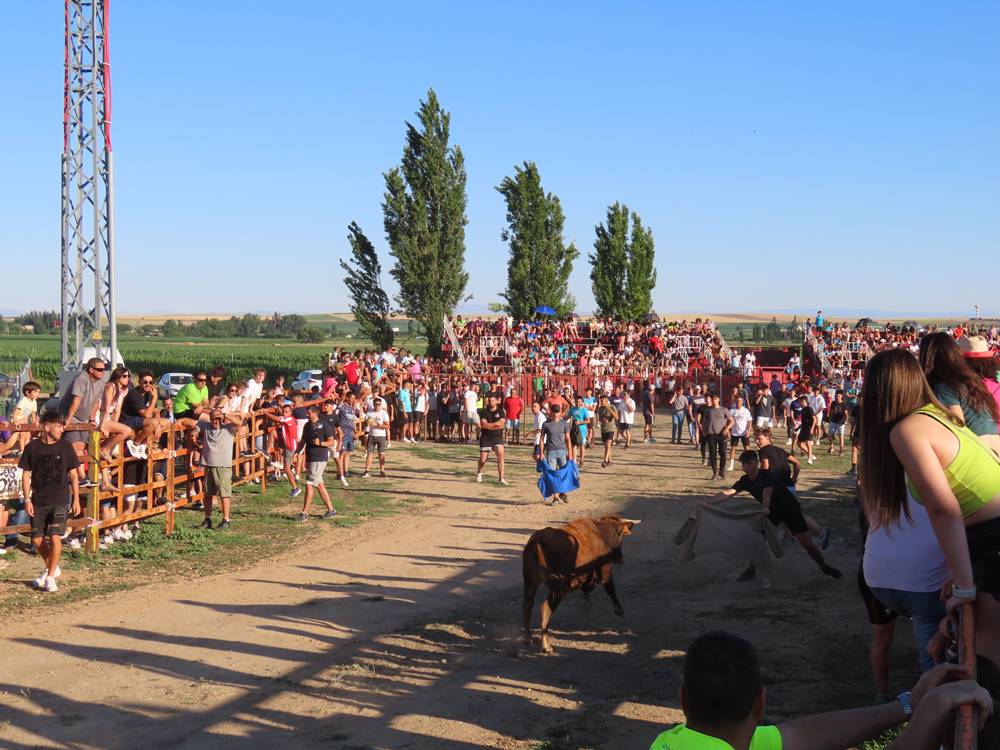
point(824, 539)
point(126, 534)
point(3, 550)
point(329, 514)
point(504, 482)
point(301, 518)
point(197, 506)
point(40, 581)
point(714, 477)
point(74, 543)
point(107, 540)
point(296, 492)
point(747, 575)
point(829, 570)
point(383, 474)
point(729, 467)
point(206, 524)
point(645, 440)
point(343, 481)
point(54, 575)
point(562, 497)
point(788, 442)
point(224, 525)
point(853, 469)
point(479, 478)
point(366, 475)
point(50, 585)
point(810, 461)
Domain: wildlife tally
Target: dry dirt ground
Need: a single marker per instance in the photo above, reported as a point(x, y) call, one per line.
point(403, 633)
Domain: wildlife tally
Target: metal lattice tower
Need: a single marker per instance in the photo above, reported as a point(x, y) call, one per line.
point(88, 255)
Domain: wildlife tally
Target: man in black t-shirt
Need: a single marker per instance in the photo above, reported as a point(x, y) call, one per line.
point(139, 411)
point(804, 440)
point(491, 423)
point(782, 508)
point(317, 440)
point(837, 420)
point(49, 477)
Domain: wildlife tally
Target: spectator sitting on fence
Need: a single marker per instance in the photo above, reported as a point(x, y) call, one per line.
point(79, 404)
point(139, 412)
point(48, 477)
point(113, 430)
point(723, 699)
point(26, 411)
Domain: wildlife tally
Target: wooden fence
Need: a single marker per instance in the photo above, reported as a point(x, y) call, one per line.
point(169, 482)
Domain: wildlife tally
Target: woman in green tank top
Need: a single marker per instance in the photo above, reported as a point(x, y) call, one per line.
point(909, 440)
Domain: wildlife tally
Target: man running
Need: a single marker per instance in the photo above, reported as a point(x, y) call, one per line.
point(717, 423)
point(578, 433)
point(607, 419)
point(781, 507)
point(806, 426)
point(555, 432)
point(786, 467)
point(491, 427)
point(48, 474)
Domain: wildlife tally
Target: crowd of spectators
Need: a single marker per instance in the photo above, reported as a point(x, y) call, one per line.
point(847, 348)
point(599, 347)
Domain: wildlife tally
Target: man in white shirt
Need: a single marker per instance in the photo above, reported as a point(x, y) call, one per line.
point(255, 388)
point(627, 417)
point(377, 421)
point(470, 411)
point(818, 404)
point(739, 434)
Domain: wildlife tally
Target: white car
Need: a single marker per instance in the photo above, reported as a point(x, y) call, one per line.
point(307, 379)
point(171, 382)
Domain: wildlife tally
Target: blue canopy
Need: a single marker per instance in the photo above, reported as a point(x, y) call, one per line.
point(545, 310)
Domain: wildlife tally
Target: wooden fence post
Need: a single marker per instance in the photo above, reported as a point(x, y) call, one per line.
point(93, 534)
point(170, 476)
point(966, 725)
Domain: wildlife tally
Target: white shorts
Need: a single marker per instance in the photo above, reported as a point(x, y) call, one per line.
point(763, 422)
point(837, 430)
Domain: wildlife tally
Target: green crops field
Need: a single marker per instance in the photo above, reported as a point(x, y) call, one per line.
point(238, 356)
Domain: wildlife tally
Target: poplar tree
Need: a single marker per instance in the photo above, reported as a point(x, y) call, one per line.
point(540, 262)
point(622, 273)
point(424, 215)
point(369, 302)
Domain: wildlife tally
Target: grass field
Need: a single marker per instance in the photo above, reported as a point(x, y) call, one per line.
point(263, 525)
point(238, 356)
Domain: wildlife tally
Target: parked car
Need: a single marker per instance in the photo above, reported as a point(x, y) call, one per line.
point(171, 382)
point(307, 379)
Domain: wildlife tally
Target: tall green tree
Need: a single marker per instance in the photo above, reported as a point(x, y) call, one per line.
point(424, 214)
point(622, 273)
point(540, 262)
point(369, 302)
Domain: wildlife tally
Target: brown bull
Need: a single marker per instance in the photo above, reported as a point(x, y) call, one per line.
point(576, 556)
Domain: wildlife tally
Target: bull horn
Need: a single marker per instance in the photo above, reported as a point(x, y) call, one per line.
point(632, 520)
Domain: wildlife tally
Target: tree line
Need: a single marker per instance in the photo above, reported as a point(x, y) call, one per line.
point(424, 218)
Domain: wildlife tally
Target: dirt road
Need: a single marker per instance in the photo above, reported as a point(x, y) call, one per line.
point(403, 633)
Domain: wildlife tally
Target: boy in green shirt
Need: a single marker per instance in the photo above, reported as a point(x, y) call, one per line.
point(723, 699)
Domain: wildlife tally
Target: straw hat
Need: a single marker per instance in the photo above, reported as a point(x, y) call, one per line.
point(974, 347)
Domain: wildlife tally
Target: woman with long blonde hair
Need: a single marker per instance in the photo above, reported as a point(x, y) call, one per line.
point(914, 447)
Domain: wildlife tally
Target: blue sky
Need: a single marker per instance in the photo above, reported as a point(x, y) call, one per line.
point(786, 155)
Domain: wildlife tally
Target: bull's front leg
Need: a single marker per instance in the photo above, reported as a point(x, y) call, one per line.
point(609, 586)
point(548, 607)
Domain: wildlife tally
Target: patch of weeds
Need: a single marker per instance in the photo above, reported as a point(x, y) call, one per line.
point(883, 741)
